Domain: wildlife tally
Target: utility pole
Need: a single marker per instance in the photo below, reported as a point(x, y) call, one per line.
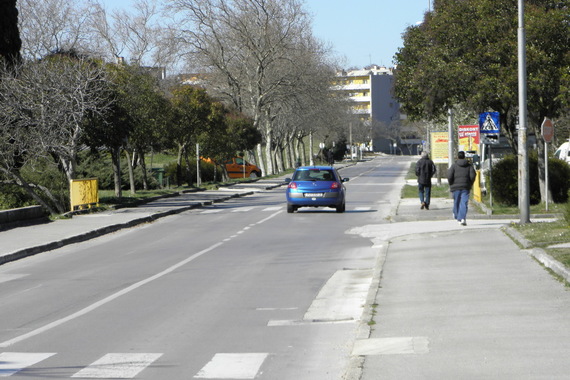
point(524, 192)
point(451, 135)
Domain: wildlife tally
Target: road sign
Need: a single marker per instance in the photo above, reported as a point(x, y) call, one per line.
point(547, 130)
point(489, 123)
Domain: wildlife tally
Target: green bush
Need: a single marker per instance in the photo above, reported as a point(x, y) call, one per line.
point(505, 180)
point(558, 180)
point(208, 172)
point(12, 196)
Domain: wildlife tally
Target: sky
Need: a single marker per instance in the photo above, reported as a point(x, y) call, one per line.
point(364, 32)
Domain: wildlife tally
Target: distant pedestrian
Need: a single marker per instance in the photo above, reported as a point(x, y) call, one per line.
point(425, 170)
point(461, 176)
point(330, 157)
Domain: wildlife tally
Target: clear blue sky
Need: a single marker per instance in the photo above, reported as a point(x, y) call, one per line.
point(363, 31)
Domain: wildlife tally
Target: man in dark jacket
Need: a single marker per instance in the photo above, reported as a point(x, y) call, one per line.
point(460, 176)
point(425, 170)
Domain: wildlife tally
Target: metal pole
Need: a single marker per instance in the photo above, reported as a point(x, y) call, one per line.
point(198, 181)
point(546, 172)
point(524, 191)
point(450, 137)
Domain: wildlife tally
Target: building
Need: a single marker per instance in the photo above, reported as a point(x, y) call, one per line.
point(370, 90)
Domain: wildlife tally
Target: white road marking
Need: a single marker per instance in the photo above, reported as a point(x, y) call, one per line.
point(117, 366)
point(362, 208)
point(342, 298)
point(232, 366)
point(274, 208)
point(211, 211)
point(243, 209)
point(118, 294)
point(12, 362)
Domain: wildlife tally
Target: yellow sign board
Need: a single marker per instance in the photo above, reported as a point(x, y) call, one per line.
point(84, 193)
point(440, 147)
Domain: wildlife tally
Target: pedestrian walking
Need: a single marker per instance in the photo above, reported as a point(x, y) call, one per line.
point(460, 177)
point(425, 170)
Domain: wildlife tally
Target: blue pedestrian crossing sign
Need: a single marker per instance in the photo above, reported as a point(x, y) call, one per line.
point(489, 127)
point(489, 123)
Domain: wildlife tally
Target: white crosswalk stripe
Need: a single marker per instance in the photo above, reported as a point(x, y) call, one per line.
point(117, 366)
point(274, 208)
point(243, 209)
point(233, 366)
point(211, 211)
point(12, 362)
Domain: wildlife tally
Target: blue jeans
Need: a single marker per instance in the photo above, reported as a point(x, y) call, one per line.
point(424, 193)
point(460, 202)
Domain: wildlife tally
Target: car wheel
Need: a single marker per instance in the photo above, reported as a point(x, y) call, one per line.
point(253, 175)
point(290, 209)
point(341, 207)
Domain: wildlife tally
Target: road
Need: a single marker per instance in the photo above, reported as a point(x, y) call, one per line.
point(236, 290)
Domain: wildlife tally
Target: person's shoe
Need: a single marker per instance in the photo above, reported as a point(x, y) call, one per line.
point(427, 206)
point(463, 222)
point(423, 205)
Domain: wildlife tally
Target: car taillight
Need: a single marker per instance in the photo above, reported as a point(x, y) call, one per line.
point(335, 185)
point(292, 185)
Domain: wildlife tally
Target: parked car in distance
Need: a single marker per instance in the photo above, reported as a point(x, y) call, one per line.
point(316, 186)
point(237, 167)
point(563, 152)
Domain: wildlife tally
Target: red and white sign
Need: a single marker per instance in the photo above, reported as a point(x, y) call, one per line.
point(469, 137)
point(547, 130)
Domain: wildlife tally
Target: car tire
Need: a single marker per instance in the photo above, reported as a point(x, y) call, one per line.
point(290, 209)
point(341, 207)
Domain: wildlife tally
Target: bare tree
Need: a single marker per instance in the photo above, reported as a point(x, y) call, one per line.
point(45, 109)
point(249, 48)
point(53, 25)
point(139, 34)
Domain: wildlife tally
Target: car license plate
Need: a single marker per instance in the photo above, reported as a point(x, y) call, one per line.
point(313, 195)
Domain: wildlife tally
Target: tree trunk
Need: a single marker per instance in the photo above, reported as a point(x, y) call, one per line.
point(181, 149)
point(143, 168)
point(116, 158)
point(131, 172)
point(311, 143)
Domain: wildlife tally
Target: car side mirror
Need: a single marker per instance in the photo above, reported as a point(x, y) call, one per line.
point(345, 179)
point(287, 180)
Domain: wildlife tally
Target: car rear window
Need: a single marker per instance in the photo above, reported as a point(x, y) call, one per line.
point(314, 175)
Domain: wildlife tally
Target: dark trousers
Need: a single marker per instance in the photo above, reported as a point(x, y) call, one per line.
point(424, 191)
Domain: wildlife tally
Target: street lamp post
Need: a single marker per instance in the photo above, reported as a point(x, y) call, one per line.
point(524, 204)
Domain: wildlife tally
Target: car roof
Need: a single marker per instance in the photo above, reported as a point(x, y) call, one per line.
point(319, 167)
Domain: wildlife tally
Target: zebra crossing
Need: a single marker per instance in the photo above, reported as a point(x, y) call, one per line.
point(129, 365)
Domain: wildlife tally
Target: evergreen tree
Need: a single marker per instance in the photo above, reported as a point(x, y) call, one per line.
point(10, 42)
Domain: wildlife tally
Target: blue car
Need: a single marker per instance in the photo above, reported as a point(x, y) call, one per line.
point(316, 186)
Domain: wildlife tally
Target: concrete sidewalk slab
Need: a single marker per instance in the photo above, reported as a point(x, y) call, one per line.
point(487, 310)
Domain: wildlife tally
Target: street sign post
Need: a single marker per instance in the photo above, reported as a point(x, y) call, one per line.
point(490, 127)
point(547, 131)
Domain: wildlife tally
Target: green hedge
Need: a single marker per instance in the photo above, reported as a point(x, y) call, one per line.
point(505, 180)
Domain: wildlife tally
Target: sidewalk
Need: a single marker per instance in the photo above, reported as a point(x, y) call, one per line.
point(459, 302)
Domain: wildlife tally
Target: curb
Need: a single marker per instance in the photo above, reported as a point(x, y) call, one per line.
point(26, 252)
point(539, 254)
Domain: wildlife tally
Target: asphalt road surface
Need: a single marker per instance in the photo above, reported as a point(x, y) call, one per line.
point(236, 290)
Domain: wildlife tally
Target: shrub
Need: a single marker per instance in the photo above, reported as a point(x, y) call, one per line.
point(558, 180)
point(505, 180)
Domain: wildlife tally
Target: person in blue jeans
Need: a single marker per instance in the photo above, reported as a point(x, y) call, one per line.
point(460, 177)
point(425, 170)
